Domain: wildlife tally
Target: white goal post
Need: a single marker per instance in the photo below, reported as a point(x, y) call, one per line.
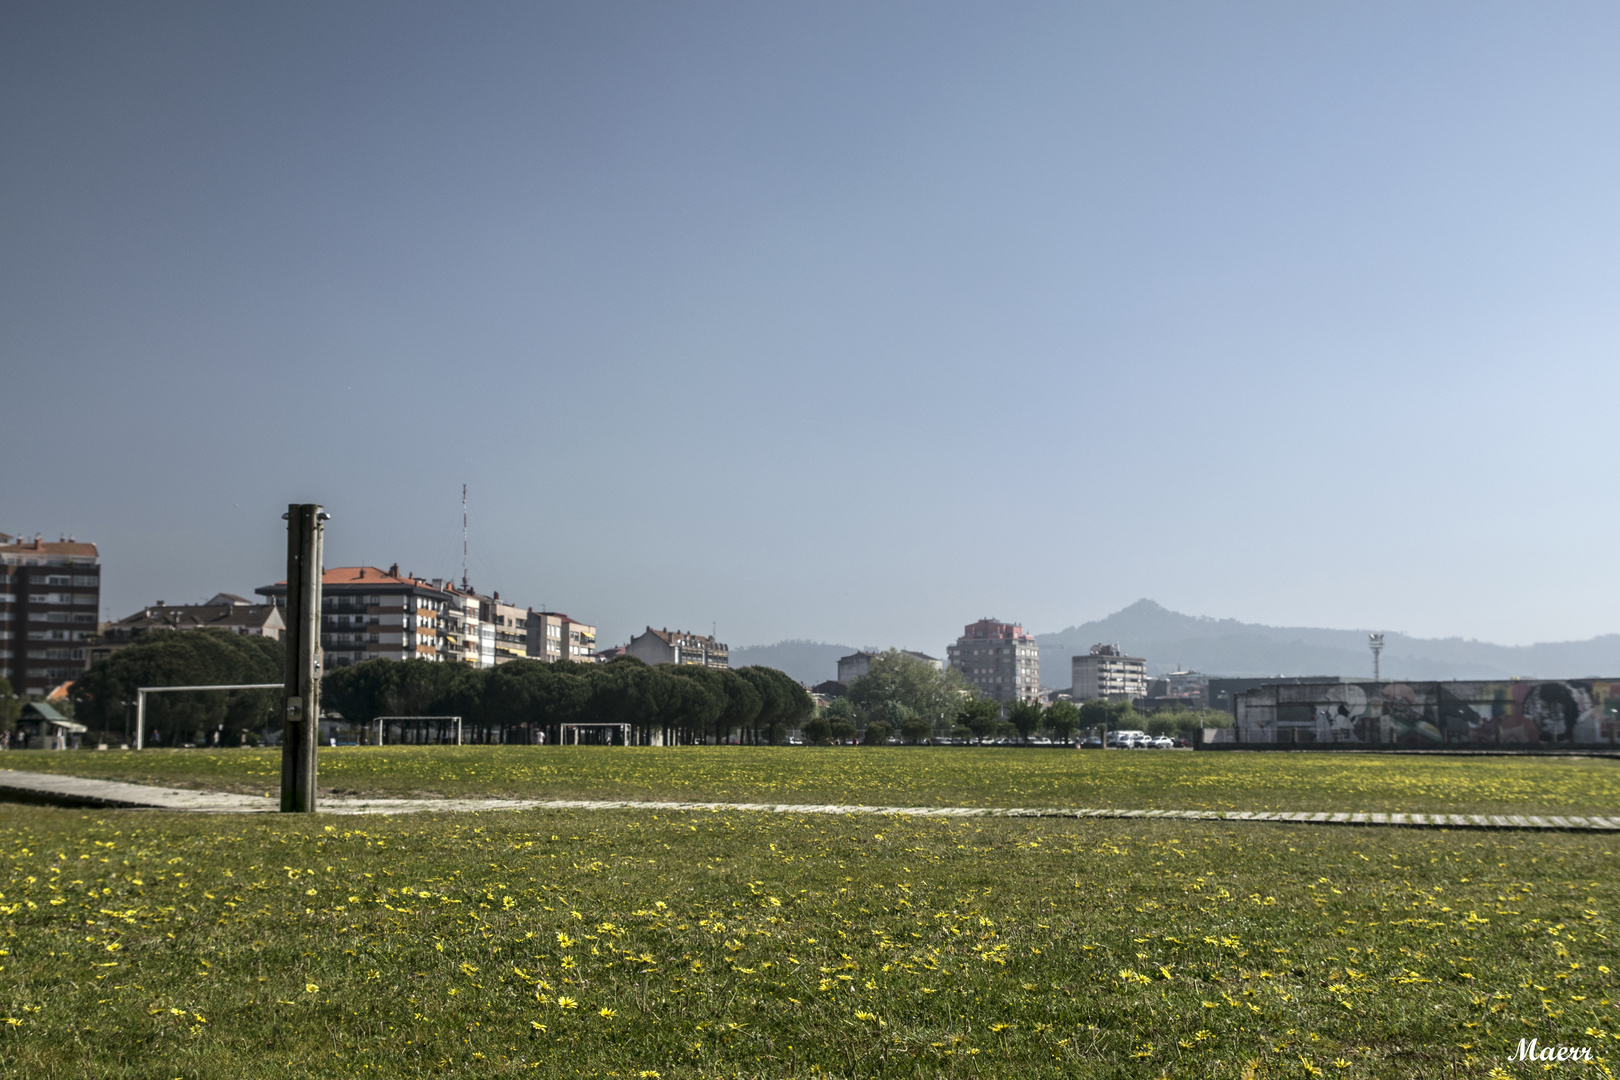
point(380, 720)
point(142, 691)
point(562, 732)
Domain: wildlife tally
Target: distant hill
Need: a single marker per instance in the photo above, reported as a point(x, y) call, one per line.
point(1170, 640)
point(807, 661)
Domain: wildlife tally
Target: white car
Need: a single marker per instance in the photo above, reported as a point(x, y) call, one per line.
point(1163, 742)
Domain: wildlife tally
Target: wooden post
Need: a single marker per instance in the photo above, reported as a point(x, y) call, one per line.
point(302, 692)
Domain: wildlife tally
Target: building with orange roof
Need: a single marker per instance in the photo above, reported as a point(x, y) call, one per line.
point(369, 613)
point(50, 595)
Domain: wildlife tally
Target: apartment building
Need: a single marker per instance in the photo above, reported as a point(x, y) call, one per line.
point(50, 594)
point(554, 636)
point(224, 611)
point(368, 613)
point(468, 629)
point(1106, 672)
point(999, 660)
point(678, 647)
point(510, 626)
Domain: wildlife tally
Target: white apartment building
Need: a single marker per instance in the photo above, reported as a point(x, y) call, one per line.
point(554, 636)
point(1106, 672)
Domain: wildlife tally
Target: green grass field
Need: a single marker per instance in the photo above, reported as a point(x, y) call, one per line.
point(736, 944)
point(698, 944)
point(1146, 780)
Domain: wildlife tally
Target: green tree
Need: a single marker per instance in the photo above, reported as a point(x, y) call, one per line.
point(1062, 718)
point(877, 733)
point(898, 677)
point(703, 708)
point(784, 703)
point(743, 704)
point(979, 715)
point(818, 730)
point(182, 658)
point(841, 719)
point(1026, 717)
point(356, 692)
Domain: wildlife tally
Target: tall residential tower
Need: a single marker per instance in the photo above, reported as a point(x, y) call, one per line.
point(999, 660)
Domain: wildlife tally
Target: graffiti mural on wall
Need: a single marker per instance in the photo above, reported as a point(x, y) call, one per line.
point(1521, 712)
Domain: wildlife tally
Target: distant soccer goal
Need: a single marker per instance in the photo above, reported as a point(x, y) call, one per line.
point(142, 691)
point(381, 720)
point(623, 729)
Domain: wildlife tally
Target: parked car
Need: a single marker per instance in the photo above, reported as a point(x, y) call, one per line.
point(1093, 743)
point(1163, 742)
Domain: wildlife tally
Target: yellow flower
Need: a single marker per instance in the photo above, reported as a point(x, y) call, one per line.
point(310, 988)
point(606, 1014)
point(567, 1003)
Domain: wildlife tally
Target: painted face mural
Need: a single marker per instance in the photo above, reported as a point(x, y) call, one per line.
point(1555, 709)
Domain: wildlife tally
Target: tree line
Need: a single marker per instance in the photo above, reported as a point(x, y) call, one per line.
point(514, 702)
point(666, 704)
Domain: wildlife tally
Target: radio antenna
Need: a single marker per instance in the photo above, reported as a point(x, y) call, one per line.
point(463, 537)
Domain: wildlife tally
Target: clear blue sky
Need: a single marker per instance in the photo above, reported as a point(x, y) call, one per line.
point(852, 322)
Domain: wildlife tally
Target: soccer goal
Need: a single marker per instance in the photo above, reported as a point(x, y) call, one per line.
point(383, 719)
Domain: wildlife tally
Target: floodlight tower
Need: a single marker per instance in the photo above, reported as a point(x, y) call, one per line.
point(1375, 642)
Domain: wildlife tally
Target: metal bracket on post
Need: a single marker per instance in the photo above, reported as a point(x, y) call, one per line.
point(302, 691)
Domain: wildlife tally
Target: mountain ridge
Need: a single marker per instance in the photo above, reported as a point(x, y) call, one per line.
point(1170, 639)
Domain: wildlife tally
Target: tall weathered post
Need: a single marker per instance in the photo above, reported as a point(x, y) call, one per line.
point(302, 693)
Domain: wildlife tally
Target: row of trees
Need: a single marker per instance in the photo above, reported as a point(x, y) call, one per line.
point(667, 704)
point(512, 702)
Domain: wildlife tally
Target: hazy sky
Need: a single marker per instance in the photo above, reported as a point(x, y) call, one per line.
point(851, 322)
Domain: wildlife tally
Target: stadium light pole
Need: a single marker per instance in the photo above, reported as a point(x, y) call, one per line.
point(1376, 643)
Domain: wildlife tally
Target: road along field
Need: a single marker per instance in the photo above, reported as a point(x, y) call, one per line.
point(1126, 779)
point(686, 945)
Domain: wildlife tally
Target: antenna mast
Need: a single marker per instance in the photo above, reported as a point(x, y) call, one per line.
point(463, 537)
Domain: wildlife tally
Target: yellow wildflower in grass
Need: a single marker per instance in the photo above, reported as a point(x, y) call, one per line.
point(661, 915)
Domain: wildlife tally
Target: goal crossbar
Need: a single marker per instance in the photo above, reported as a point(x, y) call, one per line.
point(142, 691)
point(380, 720)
